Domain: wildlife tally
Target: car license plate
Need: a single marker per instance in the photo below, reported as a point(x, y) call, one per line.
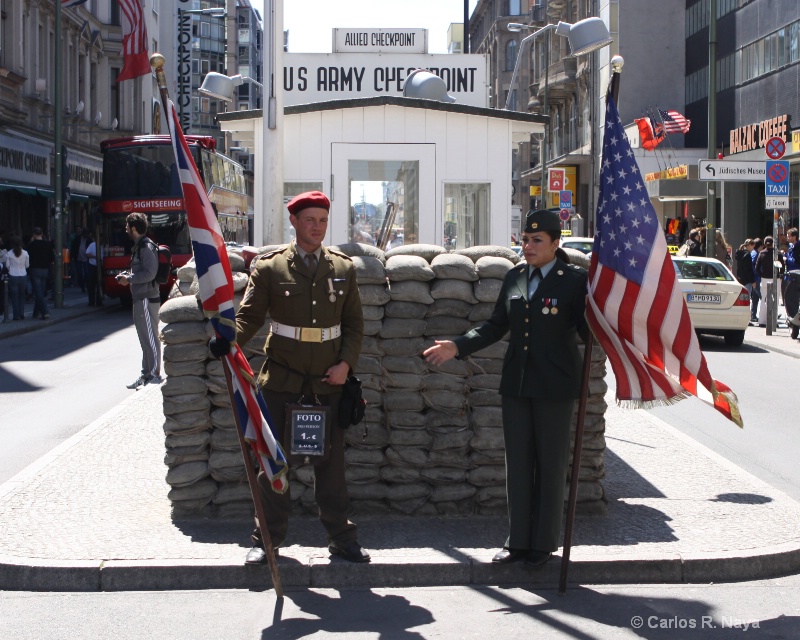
point(704, 297)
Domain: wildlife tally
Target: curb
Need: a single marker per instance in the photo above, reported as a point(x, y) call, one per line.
point(69, 314)
point(319, 573)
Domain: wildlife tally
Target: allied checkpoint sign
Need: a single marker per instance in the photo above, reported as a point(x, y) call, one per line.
point(319, 77)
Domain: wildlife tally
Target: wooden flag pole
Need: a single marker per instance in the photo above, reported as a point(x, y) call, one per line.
point(253, 482)
point(576, 463)
point(613, 90)
point(157, 62)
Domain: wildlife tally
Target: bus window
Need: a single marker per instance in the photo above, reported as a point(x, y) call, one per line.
point(144, 171)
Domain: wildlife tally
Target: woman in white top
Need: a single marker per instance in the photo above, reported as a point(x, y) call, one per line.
point(17, 263)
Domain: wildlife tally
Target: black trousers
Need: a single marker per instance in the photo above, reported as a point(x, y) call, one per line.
point(330, 485)
point(537, 435)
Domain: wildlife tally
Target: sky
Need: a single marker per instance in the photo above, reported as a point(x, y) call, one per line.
point(310, 22)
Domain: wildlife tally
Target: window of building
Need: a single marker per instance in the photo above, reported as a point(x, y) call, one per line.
point(384, 202)
point(466, 214)
point(514, 8)
point(511, 54)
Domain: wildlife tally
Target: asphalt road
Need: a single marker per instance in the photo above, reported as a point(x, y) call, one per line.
point(766, 384)
point(752, 610)
point(58, 379)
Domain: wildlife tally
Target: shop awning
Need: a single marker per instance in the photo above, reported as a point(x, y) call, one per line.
point(27, 190)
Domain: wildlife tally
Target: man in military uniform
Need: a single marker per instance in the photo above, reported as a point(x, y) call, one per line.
point(542, 303)
point(316, 327)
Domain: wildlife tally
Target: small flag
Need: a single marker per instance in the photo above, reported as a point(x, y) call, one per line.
point(135, 61)
point(650, 136)
point(674, 122)
point(635, 305)
point(216, 294)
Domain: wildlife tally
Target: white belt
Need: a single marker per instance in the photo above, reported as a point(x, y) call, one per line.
point(306, 334)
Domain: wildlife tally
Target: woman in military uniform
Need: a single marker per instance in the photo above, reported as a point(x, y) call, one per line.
point(542, 303)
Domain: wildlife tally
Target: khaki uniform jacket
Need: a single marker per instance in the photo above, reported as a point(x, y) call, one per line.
point(282, 288)
point(542, 360)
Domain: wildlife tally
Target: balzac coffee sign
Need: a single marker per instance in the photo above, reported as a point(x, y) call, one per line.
point(756, 135)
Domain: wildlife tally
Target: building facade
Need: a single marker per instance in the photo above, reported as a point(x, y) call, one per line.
point(94, 107)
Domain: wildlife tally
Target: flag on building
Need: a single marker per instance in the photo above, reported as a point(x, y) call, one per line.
point(650, 134)
point(71, 3)
point(215, 282)
point(135, 60)
point(674, 122)
point(635, 305)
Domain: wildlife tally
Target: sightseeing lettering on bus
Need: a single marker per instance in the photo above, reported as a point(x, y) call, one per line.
point(139, 174)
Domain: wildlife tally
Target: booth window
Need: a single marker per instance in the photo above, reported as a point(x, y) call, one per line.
point(466, 214)
point(384, 202)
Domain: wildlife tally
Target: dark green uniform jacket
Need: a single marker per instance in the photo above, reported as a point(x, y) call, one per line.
point(542, 360)
point(281, 286)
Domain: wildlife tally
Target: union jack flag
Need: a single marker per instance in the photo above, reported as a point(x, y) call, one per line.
point(216, 294)
point(135, 61)
point(674, 122)
point(635, 306)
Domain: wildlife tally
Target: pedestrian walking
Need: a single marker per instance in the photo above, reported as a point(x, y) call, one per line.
point(91, 270)
point(755, 293)
point(311, 296)
point(17, 263)
point(146, 297)
point(766, 263)
point(41, 261)
point(542, 303)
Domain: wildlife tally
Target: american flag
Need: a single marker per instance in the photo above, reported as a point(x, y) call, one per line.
point(674, 122)
point(71, 3)
point(135, 62)
point(635, 306)
point(216, 294)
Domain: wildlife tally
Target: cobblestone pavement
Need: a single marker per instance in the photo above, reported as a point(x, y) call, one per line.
point(676, 512)
point(101, 498)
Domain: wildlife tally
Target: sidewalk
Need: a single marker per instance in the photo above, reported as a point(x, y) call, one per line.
point(76, 303)
point(93, 515)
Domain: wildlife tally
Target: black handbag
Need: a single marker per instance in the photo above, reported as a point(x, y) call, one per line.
point(352, 405)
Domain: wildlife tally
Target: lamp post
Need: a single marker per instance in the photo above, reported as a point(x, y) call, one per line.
point(584, 36)
point(185, 59)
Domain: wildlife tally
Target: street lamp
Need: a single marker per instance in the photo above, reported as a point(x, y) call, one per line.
point(584, 36)
point(220, 86)
point(185, 56)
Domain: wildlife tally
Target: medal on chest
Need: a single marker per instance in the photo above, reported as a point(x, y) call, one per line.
point(331, 291)
point(550, 306)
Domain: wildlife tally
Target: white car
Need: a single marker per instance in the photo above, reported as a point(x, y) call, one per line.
point(584, 245)
point(718, 304)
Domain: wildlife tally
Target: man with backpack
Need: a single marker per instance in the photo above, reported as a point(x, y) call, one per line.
point(146, 297)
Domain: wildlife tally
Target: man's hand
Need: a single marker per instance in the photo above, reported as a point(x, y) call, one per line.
point(440, 352)
point(123, 278)
point(337, 374)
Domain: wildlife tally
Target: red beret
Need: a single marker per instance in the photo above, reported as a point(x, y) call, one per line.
point(308, 199)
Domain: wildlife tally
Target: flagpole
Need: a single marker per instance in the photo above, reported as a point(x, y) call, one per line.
point(613, 91)
point(157, 62)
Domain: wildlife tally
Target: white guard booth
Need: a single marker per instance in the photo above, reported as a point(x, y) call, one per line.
point(398, 170)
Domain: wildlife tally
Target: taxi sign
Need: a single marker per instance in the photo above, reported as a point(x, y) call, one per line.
point(565, 199)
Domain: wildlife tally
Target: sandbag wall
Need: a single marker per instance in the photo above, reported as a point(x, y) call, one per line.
point(432, 440)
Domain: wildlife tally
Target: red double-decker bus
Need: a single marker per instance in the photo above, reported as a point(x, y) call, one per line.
point(140, 174)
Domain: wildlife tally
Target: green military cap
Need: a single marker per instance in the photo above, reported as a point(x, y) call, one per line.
point(542, 220)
